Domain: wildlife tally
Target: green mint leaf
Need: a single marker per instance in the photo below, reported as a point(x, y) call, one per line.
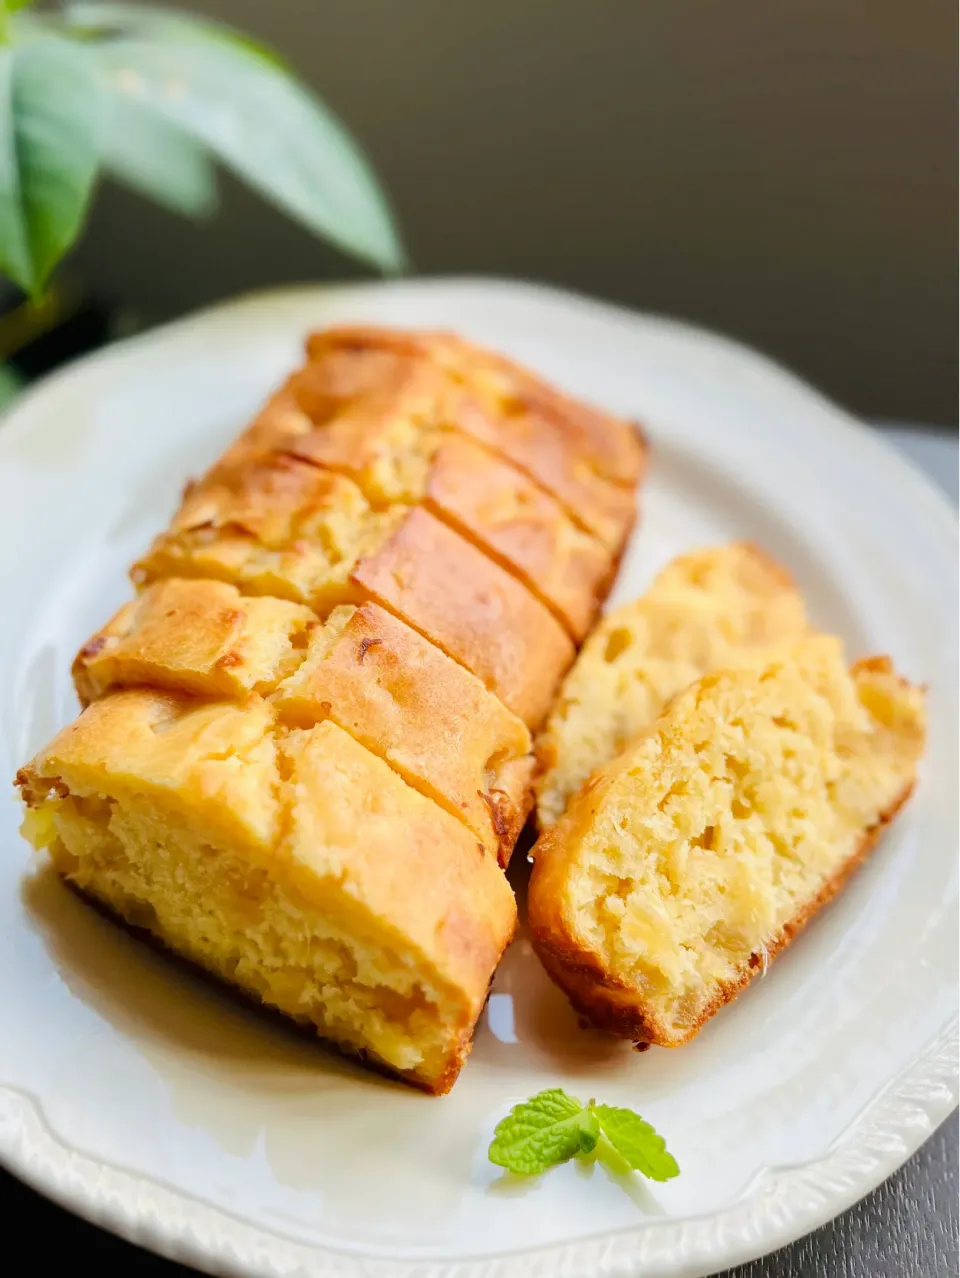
point(49, 142)
point(548, 1129)
point(607, 1155)
point(251, 114)
point(635, 1142)
point(589, 1131)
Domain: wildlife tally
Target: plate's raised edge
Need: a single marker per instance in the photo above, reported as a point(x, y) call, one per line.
point(784, 1203)
point(831, 416)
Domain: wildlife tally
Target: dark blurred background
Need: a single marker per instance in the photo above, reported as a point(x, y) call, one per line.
point(784, 172)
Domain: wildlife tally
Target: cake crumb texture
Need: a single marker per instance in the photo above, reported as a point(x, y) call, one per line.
point(306, 755)
point(686, 863)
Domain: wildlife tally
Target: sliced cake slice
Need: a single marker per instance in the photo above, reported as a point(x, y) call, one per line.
point(588, 460)
point(714, 607)
point(386, 685)
point(689, 861)
point(306, 752)
point(274, 525)
point(198, 636)
point(433, 721)
point(398, 448)
point(293, 864)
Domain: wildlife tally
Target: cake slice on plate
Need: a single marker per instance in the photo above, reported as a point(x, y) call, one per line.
point(688, 862)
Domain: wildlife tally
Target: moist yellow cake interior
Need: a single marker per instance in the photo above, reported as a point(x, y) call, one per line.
point(715, 607)
point(319, 813)
point(256, 893)
point(382, 444)
point(750, 794)
point(303, 553)
point(236, 921)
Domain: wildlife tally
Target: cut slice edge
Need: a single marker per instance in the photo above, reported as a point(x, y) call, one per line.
point(612, 949)
point(720, 605)
point(290, 908)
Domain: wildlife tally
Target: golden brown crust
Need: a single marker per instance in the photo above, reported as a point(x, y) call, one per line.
point(361, 339)
point(614, 448)
point(278, 526)
point(374, 763)
point(613, 1006)
point(679, 792)
point(471, 608)
point(196, 636)
point(272, 496)
point(271, 525)
point(434, 722)
point(276, 428)
point(390, 688)
point(432, 885)
point(590, 461)
point(173, 747)
point(415, 879)
point(395, 450)
point(523, 528)
point(326, 387)
point(384, 443)
point(533, 444)
point(384, 427)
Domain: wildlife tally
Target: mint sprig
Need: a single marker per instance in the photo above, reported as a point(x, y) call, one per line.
point(553, 1127)
point(634, 1142)
point(538, 1133)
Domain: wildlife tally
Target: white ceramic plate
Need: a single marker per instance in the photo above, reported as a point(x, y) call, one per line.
point(142, 1098)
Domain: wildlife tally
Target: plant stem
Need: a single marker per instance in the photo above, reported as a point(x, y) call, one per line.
point(612, 1157)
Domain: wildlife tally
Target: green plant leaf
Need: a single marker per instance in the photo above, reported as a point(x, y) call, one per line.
point(252, 114)
point(635, 1142)
point(141, 150)
point(49, 126)
point(10, 385)
point(538, 1133)
point(146, 21)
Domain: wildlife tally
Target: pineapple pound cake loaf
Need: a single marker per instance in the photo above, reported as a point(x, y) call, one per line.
point(715, 607)
point(305, 754)
point(685, 864)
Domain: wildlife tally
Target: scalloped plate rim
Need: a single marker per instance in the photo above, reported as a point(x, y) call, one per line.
point(886, 1132)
